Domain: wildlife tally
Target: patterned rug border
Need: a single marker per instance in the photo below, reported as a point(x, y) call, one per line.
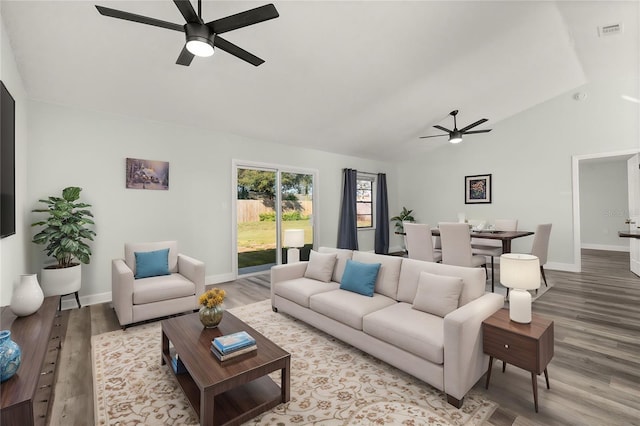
point(412, 402)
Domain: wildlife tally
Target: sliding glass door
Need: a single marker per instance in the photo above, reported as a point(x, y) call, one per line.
point(268, 201)
point(296, 205)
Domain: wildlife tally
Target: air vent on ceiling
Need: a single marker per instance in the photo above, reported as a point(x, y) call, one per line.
point(612, 29)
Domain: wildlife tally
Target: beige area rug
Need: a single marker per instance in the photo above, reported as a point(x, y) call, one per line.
point(331, 382)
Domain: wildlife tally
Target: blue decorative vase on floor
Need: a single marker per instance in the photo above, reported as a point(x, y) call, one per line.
point(10, 356)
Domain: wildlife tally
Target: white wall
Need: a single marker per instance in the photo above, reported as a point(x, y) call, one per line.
point(604, 204)
point(71, 147)
point(13, 258)
point(529, 156)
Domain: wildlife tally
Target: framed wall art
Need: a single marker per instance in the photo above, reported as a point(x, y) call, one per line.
point(477, 189)
point(147, 174)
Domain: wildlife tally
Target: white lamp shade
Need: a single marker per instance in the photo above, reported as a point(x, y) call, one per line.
point(294, 237)
point(521, 271)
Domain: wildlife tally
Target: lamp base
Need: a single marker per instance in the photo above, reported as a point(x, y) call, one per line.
point(293, 255)
point(520, 306)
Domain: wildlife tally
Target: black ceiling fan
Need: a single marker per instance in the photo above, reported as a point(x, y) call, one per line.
point(201, 37)
point(455, 135)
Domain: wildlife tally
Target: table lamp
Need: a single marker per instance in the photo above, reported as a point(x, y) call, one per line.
point(520, 272)
point(293, 238)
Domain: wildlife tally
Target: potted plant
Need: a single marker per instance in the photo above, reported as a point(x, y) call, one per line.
point(65, 234)
point(404, 216)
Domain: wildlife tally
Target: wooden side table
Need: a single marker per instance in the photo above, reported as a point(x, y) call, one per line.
point(528, 346)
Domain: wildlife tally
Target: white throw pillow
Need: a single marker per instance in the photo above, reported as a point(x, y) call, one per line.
point(320, 266)
point(437, 294)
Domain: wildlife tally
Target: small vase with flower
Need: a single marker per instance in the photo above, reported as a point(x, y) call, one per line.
point(212, 307)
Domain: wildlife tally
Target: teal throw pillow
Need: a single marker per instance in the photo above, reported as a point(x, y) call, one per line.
point(152, 263)
point(360, 277)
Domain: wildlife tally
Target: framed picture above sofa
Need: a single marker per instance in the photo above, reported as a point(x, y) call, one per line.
point(477, 189)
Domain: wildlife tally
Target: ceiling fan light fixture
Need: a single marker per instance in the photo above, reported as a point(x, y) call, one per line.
point(199, 39)
point(455, 137)
point(200, 47)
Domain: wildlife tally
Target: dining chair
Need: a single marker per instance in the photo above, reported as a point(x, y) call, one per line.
point(493, 248)
point(540, 248)
point(419, 242)
point(456, 246)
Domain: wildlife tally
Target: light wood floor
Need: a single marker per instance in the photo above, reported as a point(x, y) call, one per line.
point(594, 375)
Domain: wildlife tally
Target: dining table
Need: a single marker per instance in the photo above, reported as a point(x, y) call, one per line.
point(504, 236)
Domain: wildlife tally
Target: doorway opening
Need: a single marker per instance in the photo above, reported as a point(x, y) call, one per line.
point(578, 215)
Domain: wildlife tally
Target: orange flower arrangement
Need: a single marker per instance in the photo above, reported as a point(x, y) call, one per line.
point(211, 298)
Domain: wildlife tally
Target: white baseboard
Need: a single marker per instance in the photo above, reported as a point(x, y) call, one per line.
point(605, 247)
point(220, 278)
point(69, 302)
point(557, 266)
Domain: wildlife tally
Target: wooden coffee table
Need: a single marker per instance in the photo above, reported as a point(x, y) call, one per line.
point(231, 392)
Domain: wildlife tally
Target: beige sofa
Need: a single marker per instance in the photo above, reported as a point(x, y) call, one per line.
point(136, 300)
point(445, 352)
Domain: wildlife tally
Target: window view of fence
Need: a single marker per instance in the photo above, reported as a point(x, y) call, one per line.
point(256, 215)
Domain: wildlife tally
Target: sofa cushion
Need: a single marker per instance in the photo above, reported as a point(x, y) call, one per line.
point(360, 277)
point(299, 290)
point(131, 248)
point(152, 263)
point(473, 279)
point(414, 331)
point(341, 261)
point(389, 274)
point(320, 266)
point(437, 294)
point(348, 307)
point(155, 289)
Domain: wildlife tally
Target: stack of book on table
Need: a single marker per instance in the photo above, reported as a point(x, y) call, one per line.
point(233, 345)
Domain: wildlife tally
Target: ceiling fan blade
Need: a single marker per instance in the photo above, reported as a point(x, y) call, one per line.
point(236, 51)
point(243, 19)
point(434, 136)
point(185, 57)
point(113, 13)
point(443, 129)
point(477, 123)
point(477, 131)
point(186, 8)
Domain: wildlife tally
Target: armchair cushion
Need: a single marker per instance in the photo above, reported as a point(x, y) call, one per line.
point(152, 263)
point(131, 248)
point(156, 289)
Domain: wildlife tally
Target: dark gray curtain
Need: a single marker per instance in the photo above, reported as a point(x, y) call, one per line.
point(382, 216)
point(348, 228)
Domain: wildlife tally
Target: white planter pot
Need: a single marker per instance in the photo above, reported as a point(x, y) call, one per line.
point(27, 296)
point(61, 281)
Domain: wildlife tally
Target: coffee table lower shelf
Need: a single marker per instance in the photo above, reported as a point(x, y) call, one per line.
point(236, 405)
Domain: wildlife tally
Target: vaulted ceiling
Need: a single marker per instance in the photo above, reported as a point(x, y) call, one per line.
point(363, 78)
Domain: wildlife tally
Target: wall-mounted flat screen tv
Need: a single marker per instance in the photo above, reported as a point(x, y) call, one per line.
point(7, 163)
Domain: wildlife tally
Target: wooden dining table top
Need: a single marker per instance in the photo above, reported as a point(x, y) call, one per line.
point(505, 236)
point(491, 235)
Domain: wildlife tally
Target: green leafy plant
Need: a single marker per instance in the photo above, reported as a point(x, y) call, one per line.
point(65, 229)
point(404, 216)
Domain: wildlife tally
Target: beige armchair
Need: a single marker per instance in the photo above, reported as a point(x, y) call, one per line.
point(140, 299)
